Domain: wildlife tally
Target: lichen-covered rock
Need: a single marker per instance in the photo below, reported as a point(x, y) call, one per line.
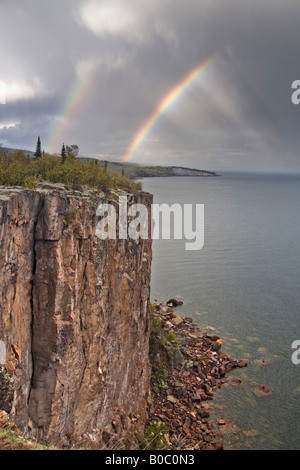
point(74, 317)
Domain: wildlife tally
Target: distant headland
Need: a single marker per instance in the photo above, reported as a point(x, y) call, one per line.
point(133, 171)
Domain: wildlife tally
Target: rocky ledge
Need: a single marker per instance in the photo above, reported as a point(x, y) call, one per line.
point(187, 367)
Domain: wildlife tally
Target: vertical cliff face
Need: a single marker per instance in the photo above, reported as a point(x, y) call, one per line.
point(74, 318)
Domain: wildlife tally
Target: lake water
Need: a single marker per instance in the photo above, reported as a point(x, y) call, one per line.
point(244, 286)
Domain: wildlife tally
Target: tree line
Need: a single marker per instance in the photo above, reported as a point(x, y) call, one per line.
point(19, 169)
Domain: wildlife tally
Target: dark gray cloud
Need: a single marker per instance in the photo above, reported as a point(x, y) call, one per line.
point(237, 115)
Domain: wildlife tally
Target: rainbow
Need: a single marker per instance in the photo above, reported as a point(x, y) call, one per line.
point(165, 104)
point(72, 104)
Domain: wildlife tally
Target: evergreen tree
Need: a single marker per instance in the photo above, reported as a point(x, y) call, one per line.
point(38, 150)
point(63, 153)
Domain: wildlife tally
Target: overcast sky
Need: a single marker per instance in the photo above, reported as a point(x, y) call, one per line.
point(125, 56)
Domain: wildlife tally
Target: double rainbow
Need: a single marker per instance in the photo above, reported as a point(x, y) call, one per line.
point(164, 105)
point(80, 91)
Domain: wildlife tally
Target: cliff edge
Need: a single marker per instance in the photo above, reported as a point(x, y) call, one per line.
point(74, 319)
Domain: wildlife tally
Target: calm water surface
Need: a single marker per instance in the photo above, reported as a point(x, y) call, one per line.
point(244, 286)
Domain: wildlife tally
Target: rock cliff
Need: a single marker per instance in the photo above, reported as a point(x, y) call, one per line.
point(74, 319)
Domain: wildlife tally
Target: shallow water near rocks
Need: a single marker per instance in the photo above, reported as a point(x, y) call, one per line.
point(244, 286)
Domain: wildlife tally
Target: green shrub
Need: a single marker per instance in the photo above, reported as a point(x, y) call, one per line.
point(171, 337)
point(30, 182)
point(156, 436)
point(154, 339)
point(17, 169)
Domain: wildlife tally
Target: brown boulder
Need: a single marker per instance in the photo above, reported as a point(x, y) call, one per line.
point(242, 363)
point(262, 390)
point(236, 381)
point(174, 303)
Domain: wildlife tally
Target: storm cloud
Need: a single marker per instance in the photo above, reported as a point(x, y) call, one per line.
point(124, 56)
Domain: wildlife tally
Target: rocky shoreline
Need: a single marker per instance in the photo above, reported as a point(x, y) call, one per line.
point(188, 366)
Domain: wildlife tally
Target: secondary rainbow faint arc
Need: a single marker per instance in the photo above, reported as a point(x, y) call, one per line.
point(165, 103)
point(72, 104)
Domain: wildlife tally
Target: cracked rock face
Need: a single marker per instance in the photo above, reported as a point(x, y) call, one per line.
point(74, 318)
